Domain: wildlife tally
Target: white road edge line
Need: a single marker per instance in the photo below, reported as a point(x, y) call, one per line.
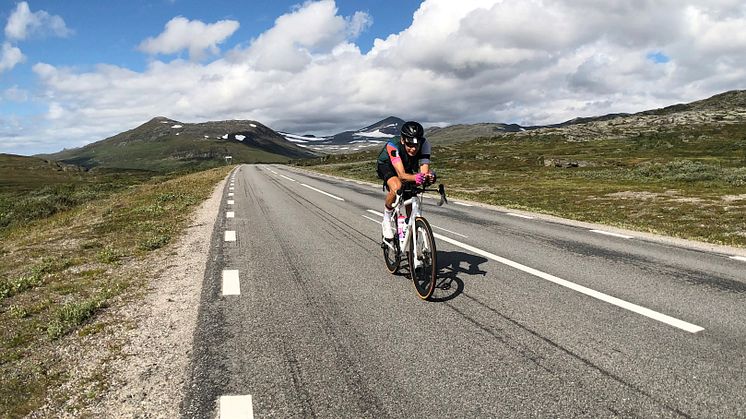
point(672, 321)
point(691, 328)
point(512, 214)
point(236, 407)
point(462, 204)
point(230, 214)
point(608, 233)
point(230, 236)
point(740, 258)
point(231, 284)
point(320, 191)
point(290, 179)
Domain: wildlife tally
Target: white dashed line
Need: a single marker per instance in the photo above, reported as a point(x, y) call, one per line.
point(290, 179)
point(231, 202)
point(230, 214)
point(512, 214)
point(231, 284)
point(608, 233)
point(230, 236)
point(272, 171)
point(320, 191)
point(230, 194)
point(449, 231)
point(375, 221)
point(739, 258)
point(236, 407)
point(231, 188)
point(463, 204)
point(380, 214)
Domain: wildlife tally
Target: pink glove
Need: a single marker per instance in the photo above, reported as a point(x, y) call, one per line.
point(419, 178)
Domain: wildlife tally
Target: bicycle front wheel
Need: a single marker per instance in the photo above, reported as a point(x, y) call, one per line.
point(425, 273)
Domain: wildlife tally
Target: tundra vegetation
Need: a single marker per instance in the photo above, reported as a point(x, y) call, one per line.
point(683, 181)
point(73, 244)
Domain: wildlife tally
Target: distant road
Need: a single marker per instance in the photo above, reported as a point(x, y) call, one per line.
point(299, 317)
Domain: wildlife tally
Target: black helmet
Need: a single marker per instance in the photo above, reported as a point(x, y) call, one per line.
point(412, 133)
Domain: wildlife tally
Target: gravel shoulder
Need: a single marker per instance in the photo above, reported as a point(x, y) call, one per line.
point(147, 380)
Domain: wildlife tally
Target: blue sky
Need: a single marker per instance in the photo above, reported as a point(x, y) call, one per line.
point(73, 72)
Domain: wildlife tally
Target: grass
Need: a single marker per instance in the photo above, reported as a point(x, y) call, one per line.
point(682, 182)
point(60, 271)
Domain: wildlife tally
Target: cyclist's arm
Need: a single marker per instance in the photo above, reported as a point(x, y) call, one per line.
point(395, 159)
point(401, 173)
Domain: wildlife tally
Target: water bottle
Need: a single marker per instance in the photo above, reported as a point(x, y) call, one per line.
point(401, 224)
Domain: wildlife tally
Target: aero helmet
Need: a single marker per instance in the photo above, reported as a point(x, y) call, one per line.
point(412, 133)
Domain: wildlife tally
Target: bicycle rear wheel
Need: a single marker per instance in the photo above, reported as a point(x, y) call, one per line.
point(427, 269)
point(391, 256)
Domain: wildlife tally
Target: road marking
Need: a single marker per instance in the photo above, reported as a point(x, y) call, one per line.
point(512, 214)
point(290, 179)
point(231, 202)
point(375, 221)
point(691, 328)
point(272, 171)
point(236, 407)
point(449, 231)
point(320, 191)
point(608, 233)
point(231, 188)
point(463, 204)
point(230, 236)
point(672, 321)
point(231, 284)
point(380, 214)
point(230, 214)
point(230, 194)
point(740, 258)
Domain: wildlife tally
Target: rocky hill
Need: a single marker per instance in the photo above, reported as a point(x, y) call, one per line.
point(722, 109)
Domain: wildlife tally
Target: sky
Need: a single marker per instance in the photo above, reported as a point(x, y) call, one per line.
point(77, 71)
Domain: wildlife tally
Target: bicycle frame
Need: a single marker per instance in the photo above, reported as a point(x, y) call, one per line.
point(410, 235)
point(400, 209)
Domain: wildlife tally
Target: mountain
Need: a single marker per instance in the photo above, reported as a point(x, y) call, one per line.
point(372, 136)
point(163, 144)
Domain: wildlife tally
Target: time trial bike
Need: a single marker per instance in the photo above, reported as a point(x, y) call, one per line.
point(414, 239)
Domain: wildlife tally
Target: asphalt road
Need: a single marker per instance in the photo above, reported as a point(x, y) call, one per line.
point(533, 318)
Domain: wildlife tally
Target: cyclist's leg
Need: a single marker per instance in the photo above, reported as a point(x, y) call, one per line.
point(393, 184)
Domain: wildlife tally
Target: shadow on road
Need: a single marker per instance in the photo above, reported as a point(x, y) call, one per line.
point(453, 268)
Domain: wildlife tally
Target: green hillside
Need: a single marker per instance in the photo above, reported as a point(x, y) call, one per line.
point(165, 145)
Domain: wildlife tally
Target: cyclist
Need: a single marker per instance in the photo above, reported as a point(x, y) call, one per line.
point(406, 158)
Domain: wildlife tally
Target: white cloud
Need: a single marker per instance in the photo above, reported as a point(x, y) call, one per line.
point(524, 61)
point(192, 35)
point(15, 94)
point(10, 56)
point(23, 23)
point(313, 29)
